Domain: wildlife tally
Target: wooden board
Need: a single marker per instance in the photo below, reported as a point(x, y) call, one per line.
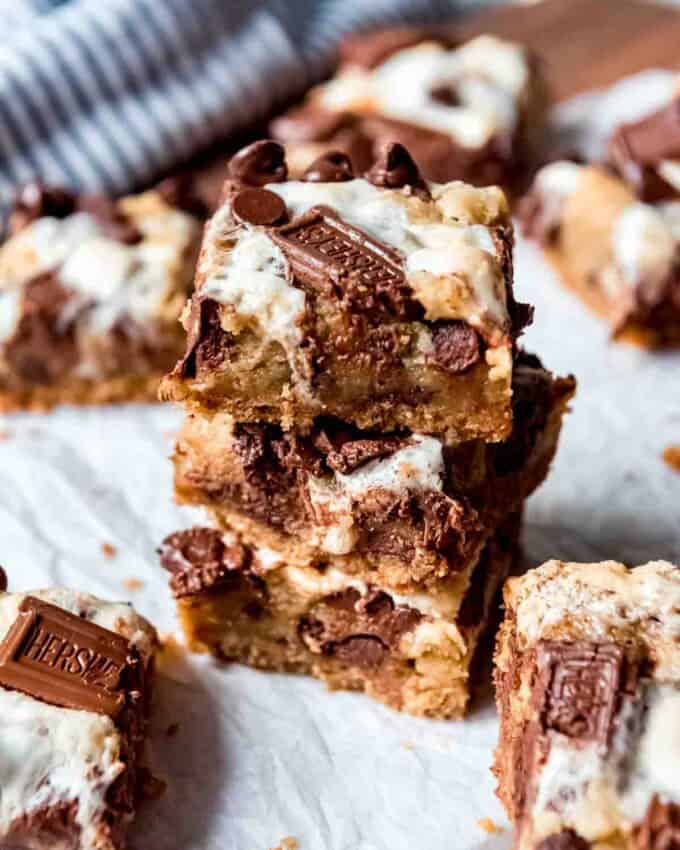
point(587, 43)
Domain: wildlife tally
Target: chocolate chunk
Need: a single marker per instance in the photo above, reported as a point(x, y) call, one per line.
point(323, 249)
point(207, 341)
point(660, 829)
point(260, 163)
point(565, 840)
point(35, 200)
point(259, 207)
point(3, 580)
point(635, 151)
point(200, 561)
point(457, 346)
point(43, 348)
point(346, 449)
point(111, 219)
point(446, 94)
point(582, 685)
point(361, 651)
point(64, 660)
point(180, 191)
point(394, 168)
point(331, 167)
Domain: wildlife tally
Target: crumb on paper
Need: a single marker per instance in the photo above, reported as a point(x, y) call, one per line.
point(5, 434)
point(172, 730)
point(132, 584)
point(109, 550)
point(288, 843)
point(408, 745)
point(672, 457)
point(489, 826)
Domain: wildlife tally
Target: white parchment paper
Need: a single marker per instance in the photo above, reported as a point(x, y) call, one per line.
point(260, 757)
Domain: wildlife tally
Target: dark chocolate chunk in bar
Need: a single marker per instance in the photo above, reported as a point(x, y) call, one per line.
point(346, 449)
point(331, 167)
point(636, 150)
point(64, 660)
point(260, 163)
point(35, 200)
point(457, 346)
point(565, 840)
point(3, 580)
point(583, 684)
point(206, 339)
point(259, 207)
point(199, 560)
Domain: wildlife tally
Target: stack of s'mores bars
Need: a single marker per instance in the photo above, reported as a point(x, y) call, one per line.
point(360, 424)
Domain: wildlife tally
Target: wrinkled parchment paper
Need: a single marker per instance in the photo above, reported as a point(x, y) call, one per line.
point(259, 757)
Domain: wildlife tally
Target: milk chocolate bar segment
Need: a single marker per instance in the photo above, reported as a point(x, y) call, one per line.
point(588, 691)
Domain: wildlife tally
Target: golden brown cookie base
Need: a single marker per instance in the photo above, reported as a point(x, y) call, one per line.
point(427, 675)
point(474, 405)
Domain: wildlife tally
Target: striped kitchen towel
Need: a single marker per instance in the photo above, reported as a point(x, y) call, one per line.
point(107, 94)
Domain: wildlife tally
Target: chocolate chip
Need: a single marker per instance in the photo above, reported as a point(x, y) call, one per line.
point(565, 840)
point(457, 346)
point(446, 94)
point(3, 580)
point(361, 651)
point(331, 167)
point(259, 207)
point(394, 168)
point(200, 561)
point(35, 200)
point(193, 546)
point(260, 163)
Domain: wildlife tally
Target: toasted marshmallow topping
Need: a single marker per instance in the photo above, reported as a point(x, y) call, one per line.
point(487, 76)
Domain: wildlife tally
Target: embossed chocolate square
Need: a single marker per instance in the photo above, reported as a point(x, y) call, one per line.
point(75, 687)
point(588, 690)
point(383, 300)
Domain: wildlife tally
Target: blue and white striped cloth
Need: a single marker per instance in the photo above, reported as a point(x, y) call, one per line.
point(107, 94)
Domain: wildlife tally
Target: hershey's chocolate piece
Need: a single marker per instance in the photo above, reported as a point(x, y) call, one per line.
point(583, 684)
point(565, 840)
point(660, 829)
point(321, 247)
point(3, 580)
point(260, 163)
point(457, 346)
point(259, 207)
point(200, 561)
point(35, 200)
point(64, 660)
point(395, 168)
point(206, 339)
point(331, 167)
point(635, 150)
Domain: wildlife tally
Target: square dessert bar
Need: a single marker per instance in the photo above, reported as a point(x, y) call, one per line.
point(414, 653)
point(612, 230)
point(90, 295)
point(75, 686)
point(588, 691)
point(384, 302)
point(470, 111)
point(400, 508)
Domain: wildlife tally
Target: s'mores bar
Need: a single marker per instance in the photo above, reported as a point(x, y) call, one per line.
point(91, 290)
point(75, 686)
point(400, 508)
point(612, 229)
point(385, 302)
point(469, 111)
point(414, 653)
point(588, 691)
